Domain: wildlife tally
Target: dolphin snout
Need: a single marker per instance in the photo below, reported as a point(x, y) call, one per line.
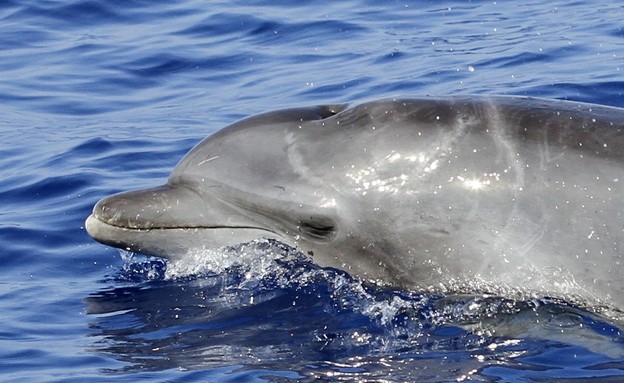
point(169, 220)
point(156, 208)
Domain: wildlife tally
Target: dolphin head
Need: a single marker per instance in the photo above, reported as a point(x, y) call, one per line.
point(298, 176)
point(240, 184)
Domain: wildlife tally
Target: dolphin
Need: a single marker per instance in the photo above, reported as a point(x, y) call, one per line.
point(501, 195)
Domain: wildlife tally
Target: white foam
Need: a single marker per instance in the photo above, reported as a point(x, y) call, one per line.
point(248, 257)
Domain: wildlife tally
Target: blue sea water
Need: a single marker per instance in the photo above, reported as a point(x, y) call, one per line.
point(103, 96)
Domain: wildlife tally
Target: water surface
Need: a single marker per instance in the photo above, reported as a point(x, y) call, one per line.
point(98, 97)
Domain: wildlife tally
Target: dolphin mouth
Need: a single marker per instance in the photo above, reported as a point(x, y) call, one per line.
point(94, 219)
point(172, 242)
point(169, 220)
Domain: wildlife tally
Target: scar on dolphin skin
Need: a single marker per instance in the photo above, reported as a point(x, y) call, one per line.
point(207, 160)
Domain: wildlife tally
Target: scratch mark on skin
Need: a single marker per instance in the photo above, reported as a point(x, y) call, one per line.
point(207, 160)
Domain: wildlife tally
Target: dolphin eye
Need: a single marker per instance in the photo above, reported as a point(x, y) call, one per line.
point(318, 227)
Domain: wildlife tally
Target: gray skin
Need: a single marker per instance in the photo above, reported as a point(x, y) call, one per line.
point(499, 195)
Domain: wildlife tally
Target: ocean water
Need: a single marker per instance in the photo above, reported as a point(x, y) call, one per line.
point(98, 97)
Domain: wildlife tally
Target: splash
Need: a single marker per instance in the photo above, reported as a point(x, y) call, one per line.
point(256, 259)
point(263, 265)
point(265, 275)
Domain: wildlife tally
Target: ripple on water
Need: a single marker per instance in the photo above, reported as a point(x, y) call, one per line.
point(252, 303)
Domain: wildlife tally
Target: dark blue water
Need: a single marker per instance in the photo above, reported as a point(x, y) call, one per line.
point(102, 96)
